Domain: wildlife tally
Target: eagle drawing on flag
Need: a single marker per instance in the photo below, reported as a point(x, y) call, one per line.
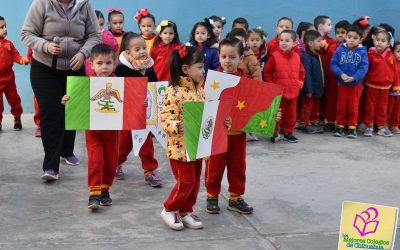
point(105, 95)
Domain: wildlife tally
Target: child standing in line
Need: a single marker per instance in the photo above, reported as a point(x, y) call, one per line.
point(301, 30)
point(241, 23)
point(394, 95)
point(284, 67)
point(350, 65)
point(9, 54)
point(203, 38)
point(323, 24)
point(166, 42)
point(284, 23)
point(382, 73)
point(256, 43)
point(116, 21)
point(219, 23)
point(147, 24)
point(136, 62)
point(234, 160)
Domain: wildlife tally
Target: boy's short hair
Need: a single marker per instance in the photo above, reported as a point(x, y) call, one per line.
point(356, 29)
point(291, 33)
point(241, 20)
point(285, 18)
point(320, 20)
point(232, 41)
point(343, 24)
point(101, 49)
point(310, 36)
point(395, 44)
point(2, 18)
point(237, 32)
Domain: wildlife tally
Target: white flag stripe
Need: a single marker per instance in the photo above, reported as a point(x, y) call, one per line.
point(106, 120)
point(206, 132)
point(216, 82)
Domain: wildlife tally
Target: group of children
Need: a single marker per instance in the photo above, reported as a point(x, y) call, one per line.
point(324, 80)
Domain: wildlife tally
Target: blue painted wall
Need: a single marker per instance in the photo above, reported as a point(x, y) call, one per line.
point(186, 13)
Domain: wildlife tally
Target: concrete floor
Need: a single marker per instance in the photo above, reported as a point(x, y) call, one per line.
point(296, 191)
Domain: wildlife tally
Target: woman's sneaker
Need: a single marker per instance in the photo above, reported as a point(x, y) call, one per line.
point(240, 206)
point(339, 132)
point(192, 221)
point(172, 219)
point(153, 180)
point(71, 160)
point(105, 199)
point(120, 175)
point(212, 205)
point(385, 132)
point(291, 138)
point(94, 202)
point(369, 132)
point(49, 175)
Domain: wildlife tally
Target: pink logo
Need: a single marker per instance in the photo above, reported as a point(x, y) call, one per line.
point(365, 222)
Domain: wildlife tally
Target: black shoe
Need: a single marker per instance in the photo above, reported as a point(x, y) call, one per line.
point(291, 138)
point(352, 134)
point(275, 138)
point(94, 201)
point(308, 129)
point(339, 132)
point(212, 206)
point(105, 199)
point(17, 123)
point(240, 206)
point(329, 127)
point(318, 129)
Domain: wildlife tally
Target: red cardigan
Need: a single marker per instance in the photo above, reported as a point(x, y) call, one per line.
point(382, 69)
point(8, 54)
point(161, 55)
point(285, 69)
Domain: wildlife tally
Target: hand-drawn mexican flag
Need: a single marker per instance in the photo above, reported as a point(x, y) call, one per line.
point(205, 132)
point(106, 103)
point(256, 102)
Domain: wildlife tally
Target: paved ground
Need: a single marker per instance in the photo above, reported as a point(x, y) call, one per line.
point(296, 190)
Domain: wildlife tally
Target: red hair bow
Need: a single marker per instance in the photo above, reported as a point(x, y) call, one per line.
point(109, 10)
point(182, 52)
point(364, 21)
point(141, 13)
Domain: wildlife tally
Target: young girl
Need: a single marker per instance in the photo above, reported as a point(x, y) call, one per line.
point(394, 95)
point(116, 26)
point(147, 24)
point(136, 62)
point(219, 23)
point(106, 38)
point(202, 37)
point(301, 30)
point(378, 81)
point(166, 42)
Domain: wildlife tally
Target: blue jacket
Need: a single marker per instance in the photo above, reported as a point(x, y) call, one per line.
point(211, 58)
point(314, 81)
point(353, 63)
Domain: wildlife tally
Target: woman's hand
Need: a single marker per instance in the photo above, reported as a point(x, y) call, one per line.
point(64, 99)
point(54, 48)
point(228, 122)
point(180, 128)
point(77, 61)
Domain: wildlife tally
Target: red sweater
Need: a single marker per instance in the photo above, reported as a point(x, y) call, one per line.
point(161, 55)
point(8, 55)
point(382, 69)
point(285, 69)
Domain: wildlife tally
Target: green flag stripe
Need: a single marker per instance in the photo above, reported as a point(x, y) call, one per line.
point(192, 116)
point(77, 109)
point(267, 117)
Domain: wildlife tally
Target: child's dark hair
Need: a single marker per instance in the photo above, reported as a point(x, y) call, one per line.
point(291, 33)
point(233, 42)
point(241, 20)
point(286, 19)
point(237, 32)
point(101, 49)
point(211, 40)
point(222, 20)
point(388, 28)
point(343, 24)
point(99, 14)
point(356, 29)
point(303, 27)
point(260, 33)
point(115, 12)
point(310, 36)
point(2, 18)
point(193, 56)
point(128, 36)
point(396, 43)
point(170, 24)
point(320, 20)
point(147, 16)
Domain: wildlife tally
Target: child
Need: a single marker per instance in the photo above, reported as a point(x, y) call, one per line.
point(147, 24)
point(394, 95)
point(324, 27)
point(136, 62)
point(301, 30)
point(350, 65)
point(219, 23)
point(9, 54)
point(230, 54)
point(187, 77)
point(382, 73)
point(106, 38)
point(284, 67)
point(166, 42)
point(331, 91)
point(116, 26)
point(241, 23)
point(101, 145)
point(314, 82)
point(256, 43)
point(284, 23)
point(203, 38)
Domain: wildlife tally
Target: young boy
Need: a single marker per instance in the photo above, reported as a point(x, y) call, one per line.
point(284, 23)
point(314, 82)
point(284, 67)
point(241, 23)
point(331, 89)
point(101, 145)
point(350, 65)
point(8, 55)
point(323, 25)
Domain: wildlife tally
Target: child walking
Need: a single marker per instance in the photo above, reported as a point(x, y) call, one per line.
point(394, 95)
point(147, 24)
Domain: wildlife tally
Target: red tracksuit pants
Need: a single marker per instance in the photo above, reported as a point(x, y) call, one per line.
point(376, 106)
point(184, 194)
point(235, 161)
point(146, 153)
point(309, 112)
point(347, 105)
point(288, 114)
point(102, 149)
point(36, 115)
point(331, 100)
point(394, 111)
point(9, 88)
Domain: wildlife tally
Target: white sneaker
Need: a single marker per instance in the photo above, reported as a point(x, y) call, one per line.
point(385, 132)
point(172, 219)
point(192, 221)
point(369, 132)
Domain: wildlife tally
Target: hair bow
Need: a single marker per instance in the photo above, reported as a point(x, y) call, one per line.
point(364, 21)
point(161, 25)
point(209, 22)
point(391, 39)
point(109, 10)
point(261, 29)
point(223, 19)
point(141, 13)
point(182, 52)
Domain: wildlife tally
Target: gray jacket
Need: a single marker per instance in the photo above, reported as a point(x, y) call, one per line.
point(46, 20)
